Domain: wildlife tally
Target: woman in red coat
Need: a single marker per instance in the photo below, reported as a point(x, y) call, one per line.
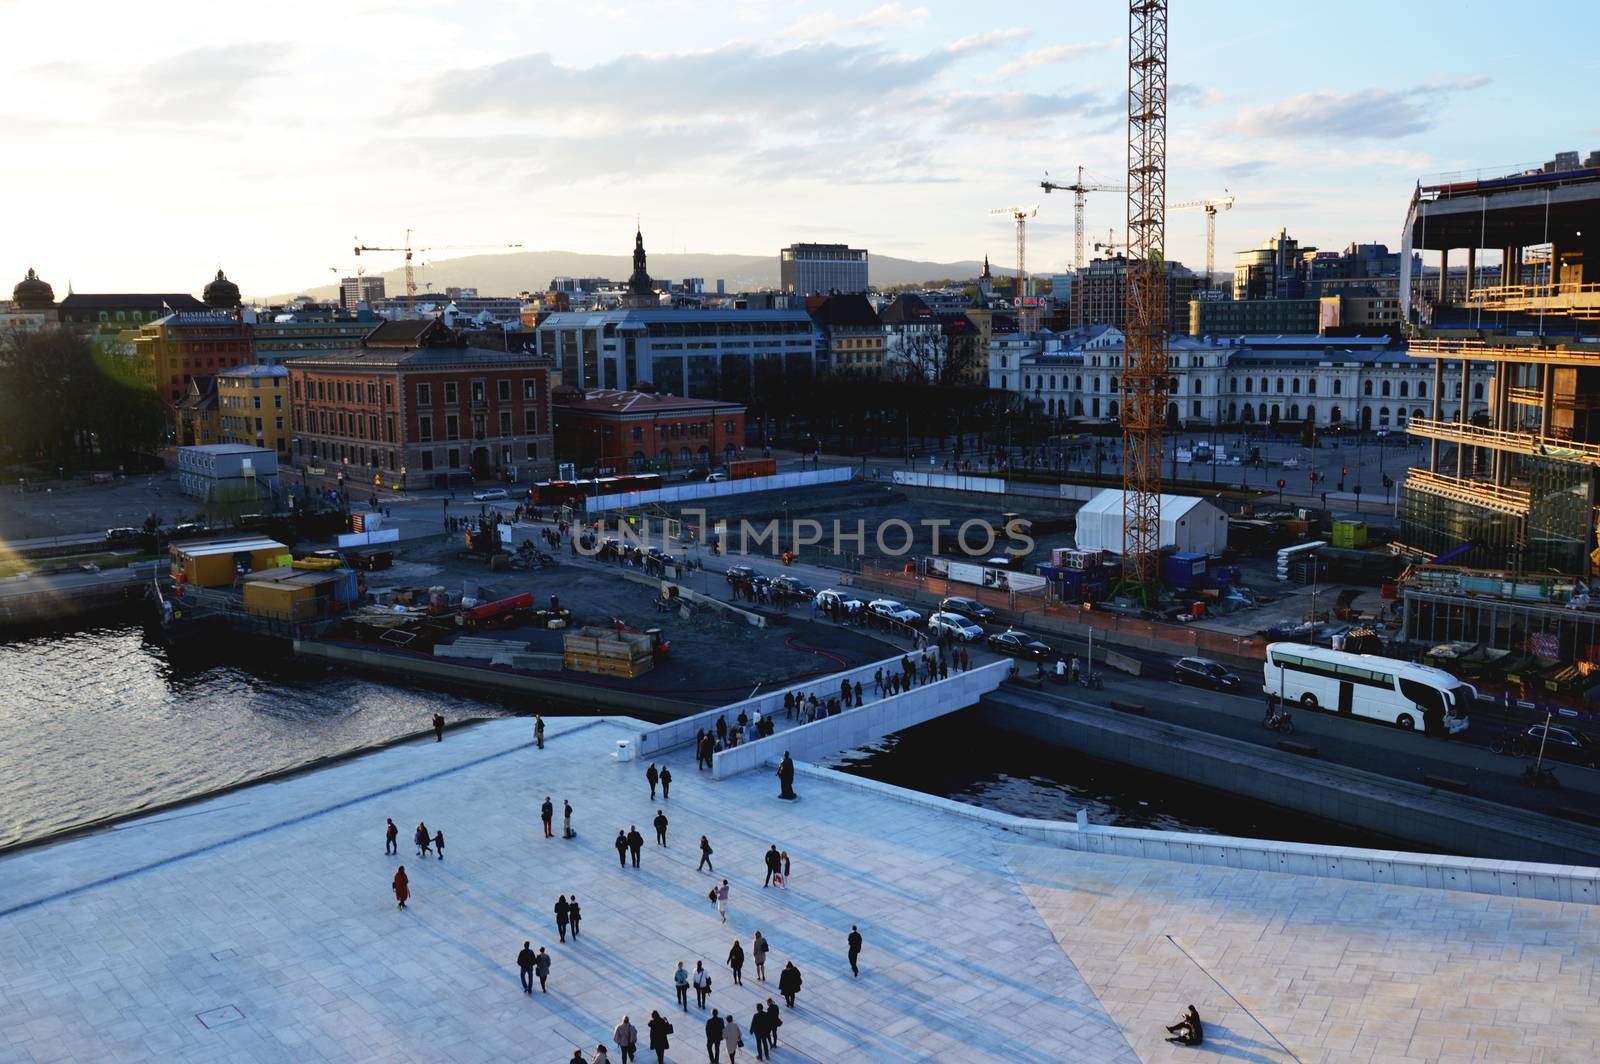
point(402, 887)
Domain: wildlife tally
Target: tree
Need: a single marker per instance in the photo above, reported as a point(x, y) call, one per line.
point(61, 403)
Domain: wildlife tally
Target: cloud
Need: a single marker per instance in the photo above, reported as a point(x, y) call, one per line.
point(203, 84)
point(979, 42)
point(1043, 57)
point(977, 111)
point(885, 16)
point(1380, 114)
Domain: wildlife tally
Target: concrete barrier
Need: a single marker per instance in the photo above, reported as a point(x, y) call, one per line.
point(857, 727)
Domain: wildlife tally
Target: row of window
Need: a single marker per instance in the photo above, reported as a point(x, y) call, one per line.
point(237, 402)
point(1031, 383)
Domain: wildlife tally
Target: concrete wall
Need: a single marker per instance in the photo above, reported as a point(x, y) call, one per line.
point(950, 482)
point(857, 727)
point(1394, 808)
point(703, 490)
point(1512, 879)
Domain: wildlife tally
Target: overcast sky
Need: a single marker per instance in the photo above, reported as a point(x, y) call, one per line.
point(142, 146)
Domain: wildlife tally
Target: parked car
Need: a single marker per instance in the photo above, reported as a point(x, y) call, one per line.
point(490, 494)
point(716, 478)
point(971, 609)
point(957, 626)
point(1560, 744)
point(792, 589)
point(1019, 645)
point(188, 528)
point(828, 598)
point(741, 574)
point(1203, 672)
point(120, 536)
point(890, 610)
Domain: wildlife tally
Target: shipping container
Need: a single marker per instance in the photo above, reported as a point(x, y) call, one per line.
point(752, 467)
point(219, 564)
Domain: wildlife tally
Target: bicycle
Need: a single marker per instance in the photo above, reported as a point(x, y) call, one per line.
point(1279, 722)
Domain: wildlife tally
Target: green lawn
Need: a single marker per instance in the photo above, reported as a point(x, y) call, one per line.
point(11, 566)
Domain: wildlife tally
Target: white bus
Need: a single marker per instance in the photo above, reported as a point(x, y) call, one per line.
point(1413, 697)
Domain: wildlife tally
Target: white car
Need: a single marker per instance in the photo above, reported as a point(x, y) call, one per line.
point(716, 478)
point(958, 627)
point(829, 598)
point(490, 494)
point(891, 610)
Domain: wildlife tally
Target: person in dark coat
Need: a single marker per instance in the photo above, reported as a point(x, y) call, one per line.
point(423, 840)
point(736, 962)
point(789, 982)
point(705, 856)
point(390, 834)
point(635, 843)
point(854, 942)
point(402, 887)
point(574, 914)
point(774, 864)
point(652, 776)
point(774, 1021)
point(438, 727)
point(622, 848)
point(722, 728)
point(758, 953)
point(666, 783)
point(438, 843)
point(1188, 1031)
point(566, 820)
point(858, 694)
point(761, 1027)
point(659, 1029)
point(547, 813)
point(661, 828)
point(538, 731)
point(525, 961)
point(714, 1028)
point(563, 911)
point(786, 776)
point(541, 968)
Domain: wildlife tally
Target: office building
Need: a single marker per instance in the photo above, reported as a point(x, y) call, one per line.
point(354, 291)
point(822, 269)
point(1246, 317)
point(278, 333)
point(1100, 293)
point(172, 350)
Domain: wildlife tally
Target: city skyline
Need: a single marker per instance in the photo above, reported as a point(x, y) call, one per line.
point(153, 158)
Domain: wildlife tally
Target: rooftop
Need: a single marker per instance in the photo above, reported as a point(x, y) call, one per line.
point(415, 358)
point(258, 925)
point(612, 401)
point(253, 371)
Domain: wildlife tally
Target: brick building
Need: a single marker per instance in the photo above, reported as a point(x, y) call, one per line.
point(416, 407)
point(634, 432)
point(174, 349)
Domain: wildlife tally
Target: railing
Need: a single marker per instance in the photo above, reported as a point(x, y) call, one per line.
point(1499, 439)
point(1513, 501)
point(1525, 396)
point(1554, 298)
point(1558, 354)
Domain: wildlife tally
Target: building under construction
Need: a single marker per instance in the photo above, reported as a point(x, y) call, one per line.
point(1512, 491)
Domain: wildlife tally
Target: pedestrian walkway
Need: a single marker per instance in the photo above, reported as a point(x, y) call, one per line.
point(259, 926)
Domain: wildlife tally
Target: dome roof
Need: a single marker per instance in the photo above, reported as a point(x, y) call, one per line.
point(33, 294)
point(221, 292)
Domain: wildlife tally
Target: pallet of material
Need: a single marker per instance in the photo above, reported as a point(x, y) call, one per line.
point(606, 652)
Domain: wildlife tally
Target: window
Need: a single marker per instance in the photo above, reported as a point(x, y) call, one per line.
point(453, 458)
point(452, 427)
point(1477, 390)
point(505, 391)
point(1385, 389)
point(427, 460)
point(1311, 386)
point(277, 401)
point(1405, 388)
point(479, 394)
point(727, 426)
point(388, 394)
point(297, 387)
point(425, 428)
point(1338, 386)
point(1294, 386)
point(1198, 387)
point(530, 388)
point(1249, 385)
point(505, 418)
point(388, 429)
point(1366, 387)
point(372, 393)
point(533, 452)
point(424, 395)
point(1422, 389)
point(1280, 385)
point(530, 423)
point(257, 403)
point(450, 395)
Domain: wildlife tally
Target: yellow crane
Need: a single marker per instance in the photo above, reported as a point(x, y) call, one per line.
point(411, 277)
point(1211, 207)
point(1021, 215)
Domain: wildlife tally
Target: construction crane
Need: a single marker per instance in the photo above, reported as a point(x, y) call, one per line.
point(1144, 378)
point(1211, 207)
point(411, 276)
point(1078, 190)
point(1111, 243)
point(1021, 216)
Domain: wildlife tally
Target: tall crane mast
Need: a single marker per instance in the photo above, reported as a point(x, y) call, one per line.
point(1021, 216)
point(1211, 207)
point(1144, 388)
point(411, 276)
point(1078, 189)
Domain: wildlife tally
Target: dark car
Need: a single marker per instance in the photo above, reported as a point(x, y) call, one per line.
point(121, 536)
point(971, 609)
point(792, 589)
point(189, 528)
point(1019, 645)
point(1203, 672)
point(1560, 744)
point(741, 574)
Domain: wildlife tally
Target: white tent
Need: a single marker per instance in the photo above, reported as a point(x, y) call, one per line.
point(1187, 523)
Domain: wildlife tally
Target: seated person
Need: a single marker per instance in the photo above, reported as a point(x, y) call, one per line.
point(1188, 1031)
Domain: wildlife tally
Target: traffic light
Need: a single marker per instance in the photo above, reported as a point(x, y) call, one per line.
point(1280, 483)
point(1344, 472)
point(1313, 476)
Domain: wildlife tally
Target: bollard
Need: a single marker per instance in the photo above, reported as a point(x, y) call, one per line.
point(624, 750)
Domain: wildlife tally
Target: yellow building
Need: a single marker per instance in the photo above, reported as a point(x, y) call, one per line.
point(253, 407)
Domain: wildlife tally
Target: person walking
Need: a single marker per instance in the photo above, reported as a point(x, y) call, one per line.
point(858, 694)
point(774, 1021)
point(635, 843)
point(563, 912)
point(701, 981)
point(547, 813)
point(422, 840)
point(660, 823)
point(574, 914)
point(680, 986)
point(402, 887)
point(538, 731)
point(789, 982)
point(438, 843)
point(525, 962)
point(626, 1036)
point(438, 727)
point(566, 819)
point(853, 940)
point(761, 1027)
point(390, 834)
point(722, 901)
point(659, 1029)
point(758, 953)
point(774, 865)
point(732, 1038)
point(714, 1031)
point(600, 1056)
point(653, 776)
point(577, 1057)
point(783, 858)
point(705, 856)
point(622, 848)
point(666, 783)
point(736, 963)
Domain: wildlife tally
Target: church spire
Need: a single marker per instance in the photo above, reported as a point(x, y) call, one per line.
point(641, 290)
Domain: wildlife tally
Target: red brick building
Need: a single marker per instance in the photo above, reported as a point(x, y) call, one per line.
point(417, 407)
point(174, 349)
point(605, 430)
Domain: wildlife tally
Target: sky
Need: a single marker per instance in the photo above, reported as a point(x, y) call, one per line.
point(142, 148)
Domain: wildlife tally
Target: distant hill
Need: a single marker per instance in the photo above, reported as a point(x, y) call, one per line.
point(531, 271)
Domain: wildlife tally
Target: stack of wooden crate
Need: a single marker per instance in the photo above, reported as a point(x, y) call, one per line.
point(607, 652)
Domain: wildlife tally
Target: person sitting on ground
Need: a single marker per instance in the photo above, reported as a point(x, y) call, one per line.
point(1188, 1031)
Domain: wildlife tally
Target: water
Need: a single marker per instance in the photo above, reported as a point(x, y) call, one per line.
point(961, 758)
point(103, 721)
